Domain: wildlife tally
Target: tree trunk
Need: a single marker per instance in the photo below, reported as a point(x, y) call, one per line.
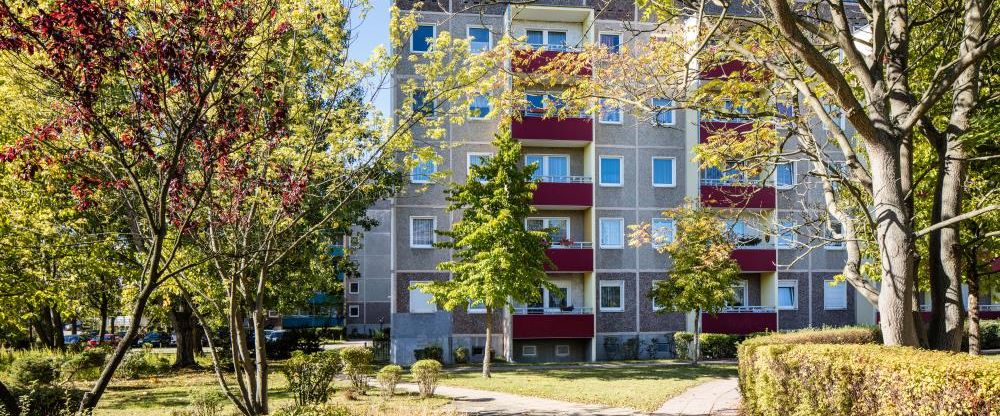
point(696, 343)
point(895, 241)
point(187, 336)
point(974, 346)
point(489, 338)
point(104, 318)
point(43, 327)
point(260, 375)
point(946, 327)
point(58, 341)
point(8, 401)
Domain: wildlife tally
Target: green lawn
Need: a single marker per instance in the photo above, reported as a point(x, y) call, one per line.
point(639, 387)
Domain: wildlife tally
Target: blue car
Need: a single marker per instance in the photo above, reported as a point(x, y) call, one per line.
point(155, 339)
point(72, 339)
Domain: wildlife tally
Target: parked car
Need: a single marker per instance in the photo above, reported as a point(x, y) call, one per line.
point(156, 339)
point(109, 339)
point(274, 335)
point(72, 339)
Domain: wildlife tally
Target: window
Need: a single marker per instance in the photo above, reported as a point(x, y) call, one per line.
point(788, 291)
point(664, 231)
point(835, 233)
point(612, 296)
point(739, 294)
point(539, 103)
point(612, 232)
point(744, 234)
point(837, 115)
point(734, 173)
point(610, 114)
point(422, 105)
point(529, 350)
point(354, 311)
point(353, 287)
point(786, 234)
point(834, 295)
point(423, 171)
point(558, 299)
point(552, 40)
point(549, 168)
point(480, 107)
point(662, 115)
point(562, 350)
point(420, 301)
point(422, 37)
point(656, 307)
point(559, 228)
point(479, 39)
point(663, 171)
point(476, 159)
point(422, 232)
point(784, 175)
point(477, 307)
point(612, 41)
point(611, 171)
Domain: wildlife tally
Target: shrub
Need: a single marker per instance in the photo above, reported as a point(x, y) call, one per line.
point(718, 346)
point(34, 369)
point(314, 410)
point(426, 373)
point(311, 376)
point(388, 378)
point(357, 365)
point(682, 344)
point(135, 365)
point(432, 352)
point(846, 335)
point(779, 376)
point(47, 400)
point(989, 334)
point(461, 355)
point(204, 403)
point(86, 360)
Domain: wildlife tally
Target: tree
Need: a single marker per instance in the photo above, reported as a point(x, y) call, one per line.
point(497, 261)
point(703, 272)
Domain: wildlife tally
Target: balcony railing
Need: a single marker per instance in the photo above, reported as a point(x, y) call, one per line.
point(571, 245)
point(989, 308)
point(749, 309)
point(565, 179)
point(751, 240)
point(547, 47)
point(570, 310)
point(577, 256)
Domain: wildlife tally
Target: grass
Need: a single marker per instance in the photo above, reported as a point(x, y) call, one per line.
point(639, 387)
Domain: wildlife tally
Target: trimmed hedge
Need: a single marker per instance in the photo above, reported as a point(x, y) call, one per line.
point(790, 374)
point(989, 334)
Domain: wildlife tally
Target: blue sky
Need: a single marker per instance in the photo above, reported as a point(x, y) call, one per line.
point(371, 32)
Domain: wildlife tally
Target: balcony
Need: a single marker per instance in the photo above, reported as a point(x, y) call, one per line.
point(533, 58)
point(564, 192)
point(720, 194)
point(724, 69)
point(538, 323)
point(572, 257)
point(741, 320)
point(755, 259)
point(552, 131)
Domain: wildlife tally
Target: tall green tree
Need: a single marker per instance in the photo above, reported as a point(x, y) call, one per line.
point(498, 261)
point(703, 273)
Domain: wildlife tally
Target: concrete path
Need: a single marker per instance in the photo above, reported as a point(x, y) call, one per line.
point(491, 403)
point(715, 398)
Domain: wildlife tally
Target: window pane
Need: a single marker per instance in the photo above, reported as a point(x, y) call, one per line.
point(611, 171)
point(663, 171)
point(559, 298)
point(783, 174)
point(557, 40)
point(536, 224)
point(663, 117)
point(422, 172)
point(663, 231)
point(561, 229)
point(611, 41)
point(422, 36)
point(480, 39)
point(423, 231)
point(611, 297)
point(536, 38)
point(739, 293)
point(611, 232)
point(786, 234)
point(539, 162)
point(786, 296)
point(558, 168)
point(834, 297)
point(480, 107)
point(610, 114)
point(422, 104)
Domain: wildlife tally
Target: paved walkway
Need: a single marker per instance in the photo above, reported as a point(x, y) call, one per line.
point(716, 398)
point(491, 403)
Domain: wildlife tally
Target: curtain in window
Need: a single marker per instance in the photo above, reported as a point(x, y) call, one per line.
point(611, 233)
point(423, 231)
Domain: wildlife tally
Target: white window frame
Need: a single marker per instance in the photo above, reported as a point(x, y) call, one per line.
point(673, 114)
point(569, 297)
point(353, 288)
point(827, 287)
point(468, 162)
point(835, 245)
point(620, 284)
point(783, 227)
point(473, 310)
point(613, 33)
point(794, 284)
point(794, 173)
point(621, 172)
point(673, 172)
point(545, 36)
point(434, 168)
point(468, 35)
point(673, 231)
point(545, 224)
point(490, 109)
point(565, 354)
point(353, 311)
point(433, 234)
point(621, 230)
point(410, 305)
point(532, 348)
point(652, 285)
point(434, 29)
point(601, 114)
point(545, 163)
point(746, 296)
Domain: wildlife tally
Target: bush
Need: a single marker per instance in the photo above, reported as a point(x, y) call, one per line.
point(426, 373)
point(682, 344)
point(846, 335)
point(989, 334)
point(718, 346)
point(314, 410)
point(136, 364)
point(47, 400)
point(779, 376)
point(432, 352)
point(357, 365)
point(204, 403)
point(461, 355)
point(311, 376)
point(86, 360)
point(388, 378)
point(34, 369)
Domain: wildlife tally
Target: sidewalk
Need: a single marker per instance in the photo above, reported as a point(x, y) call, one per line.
point(716, 398)
point(480, 402)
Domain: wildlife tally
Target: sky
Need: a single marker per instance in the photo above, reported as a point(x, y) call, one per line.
point(371, 32)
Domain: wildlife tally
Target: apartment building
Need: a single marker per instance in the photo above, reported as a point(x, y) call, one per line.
point(598, 175)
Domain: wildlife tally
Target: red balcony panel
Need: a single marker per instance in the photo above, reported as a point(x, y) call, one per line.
point(553, 326)
point(564, 194)
point(539, 128)
point(994, 314)
point(741, 323)
point(755, 259)
point(723, 196)
point(571, 259)
point(528, 61)
point(995, 265)
point(725, 69)
point(709, 128)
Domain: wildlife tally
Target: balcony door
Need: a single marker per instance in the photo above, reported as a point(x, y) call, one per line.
point(549, 168)
point(559, 228)
point(551, 301)
point(744, 234)
point(553, 40)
